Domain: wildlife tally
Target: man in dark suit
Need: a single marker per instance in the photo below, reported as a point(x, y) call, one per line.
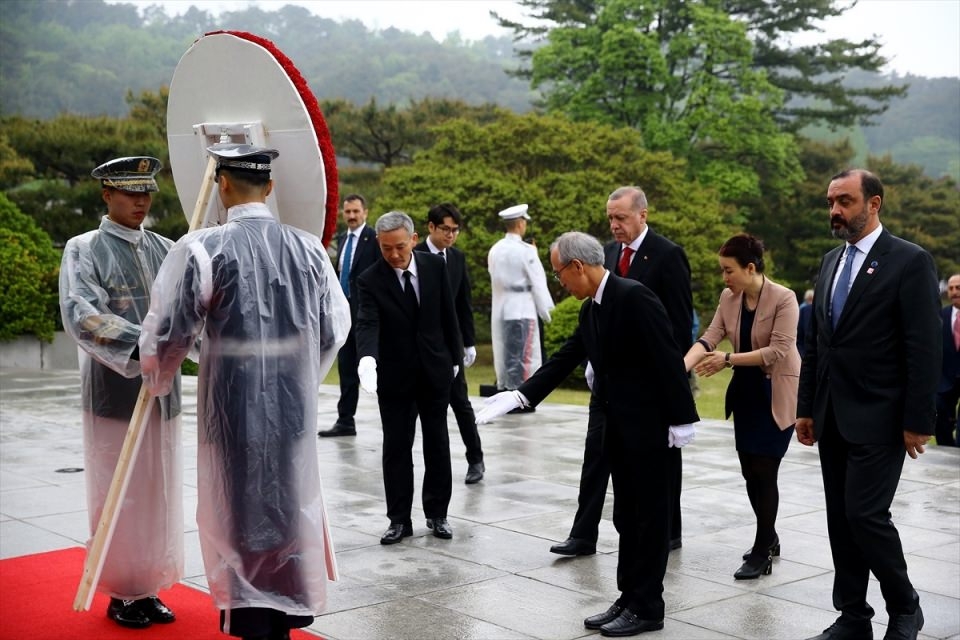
point(948, 393)
point(357, 249)
point(444, 222)
point(803, 320)
point(641, 387)
point(867, 389)
point(639, 254)
point(410, 351)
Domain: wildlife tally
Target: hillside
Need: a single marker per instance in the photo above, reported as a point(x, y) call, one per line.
point(82, 57)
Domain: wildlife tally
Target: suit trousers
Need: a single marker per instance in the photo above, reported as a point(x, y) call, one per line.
point(641, 500)
point(466, 418)
point(398, 413)
point(859, 484)
point(594, 476)
point(948, 418)
point(349, 381)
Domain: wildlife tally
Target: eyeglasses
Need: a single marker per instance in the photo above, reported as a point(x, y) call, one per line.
point(556, 274)
point(450, 231)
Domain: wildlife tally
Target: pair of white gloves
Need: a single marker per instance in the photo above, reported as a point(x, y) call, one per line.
point(506, 401)
point(367, 369)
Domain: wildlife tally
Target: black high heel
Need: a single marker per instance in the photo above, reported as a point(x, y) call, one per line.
point(774, 549)
point(753, 568)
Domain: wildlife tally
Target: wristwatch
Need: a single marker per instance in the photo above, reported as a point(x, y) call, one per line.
point(726, 360)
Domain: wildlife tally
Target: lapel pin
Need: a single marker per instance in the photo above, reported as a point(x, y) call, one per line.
point(873, 265)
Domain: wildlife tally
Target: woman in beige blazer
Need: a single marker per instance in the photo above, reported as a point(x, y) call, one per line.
point(759, 317)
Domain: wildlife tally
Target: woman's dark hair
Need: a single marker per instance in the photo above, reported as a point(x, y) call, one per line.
point(745, 249)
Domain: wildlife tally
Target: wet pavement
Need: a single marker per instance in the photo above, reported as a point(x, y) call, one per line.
point(496, 578)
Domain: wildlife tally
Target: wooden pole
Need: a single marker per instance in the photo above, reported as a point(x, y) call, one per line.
point(97, 554)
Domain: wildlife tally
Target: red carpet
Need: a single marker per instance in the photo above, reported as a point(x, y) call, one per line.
point(36, 603)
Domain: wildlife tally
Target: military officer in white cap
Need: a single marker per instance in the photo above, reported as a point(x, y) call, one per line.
point(105, 280)
point(519, 297)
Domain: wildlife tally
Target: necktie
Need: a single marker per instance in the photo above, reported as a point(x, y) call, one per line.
point(843, 287)
point(956, 331)
point(624, 262)
point(442, 254)
point(345, 271)
point(409, 295)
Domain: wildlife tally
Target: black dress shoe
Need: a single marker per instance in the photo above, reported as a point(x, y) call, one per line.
point(845, 629)
point(774, 549)
point(156, 610)
point(127, 613)
point(338, 430)
point(904, 626)
point(754, 567)
point(675, 544)
point(474, 473)
point(597, 621)
point(574, 547)
point(396, 533)
point(441, 528)
point(627, 624)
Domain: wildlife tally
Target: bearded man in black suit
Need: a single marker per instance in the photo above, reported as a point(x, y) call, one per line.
point(867, 394)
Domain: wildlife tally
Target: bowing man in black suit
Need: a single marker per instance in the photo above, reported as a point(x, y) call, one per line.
point(640, 254)
point(444, 222)
point(641, 387)
point(867, 388)
point(357, 249)
point(948, 393)
point(410, 351)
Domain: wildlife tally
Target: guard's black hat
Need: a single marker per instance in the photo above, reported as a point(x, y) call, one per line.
point(231, 155)
point(129, 174)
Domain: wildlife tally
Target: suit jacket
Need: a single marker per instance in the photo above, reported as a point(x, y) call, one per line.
point(663, 267)
point(639, 379)
point(951, 357)
point(409, 350)
point(366, 251)
point(803, 325)
point(879, 369)
point(460, 286)
point(774, 334)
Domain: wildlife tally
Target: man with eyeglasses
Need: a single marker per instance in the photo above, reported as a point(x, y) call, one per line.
point(519, 296)
point(444, 222)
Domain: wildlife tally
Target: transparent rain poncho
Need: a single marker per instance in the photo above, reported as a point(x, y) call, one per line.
point(105, 278)
point(266, 303)
point(519, 296)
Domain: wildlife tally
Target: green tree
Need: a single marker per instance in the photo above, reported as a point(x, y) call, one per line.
point(28, 276)
point(564, 170)
point(681, 73)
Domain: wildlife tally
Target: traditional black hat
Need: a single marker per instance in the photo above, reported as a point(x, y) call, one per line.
point(129, 174)
point(231, 155)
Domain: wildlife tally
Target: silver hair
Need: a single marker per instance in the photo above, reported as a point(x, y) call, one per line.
point(576, 245)
point(392, 221)
point(638, 197)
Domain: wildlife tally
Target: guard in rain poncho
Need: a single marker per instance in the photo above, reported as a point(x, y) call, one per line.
point(105, 282)
point(519, 297)
point(264, 299)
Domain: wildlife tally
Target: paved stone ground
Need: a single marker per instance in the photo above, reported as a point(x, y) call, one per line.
point(496, 579)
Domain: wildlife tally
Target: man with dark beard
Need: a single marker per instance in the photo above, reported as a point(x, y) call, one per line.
point(867, 389)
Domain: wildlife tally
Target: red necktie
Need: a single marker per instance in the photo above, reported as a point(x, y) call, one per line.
point(624, 262)
point(956, 331)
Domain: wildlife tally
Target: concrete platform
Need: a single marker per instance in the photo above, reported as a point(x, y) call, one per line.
point(496, 579)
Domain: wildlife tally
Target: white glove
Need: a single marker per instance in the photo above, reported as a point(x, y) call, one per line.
point(367, 371)
point(588, 374)
point(469, 356)
point(456, 370)
point(501, 404)
point(681, 435)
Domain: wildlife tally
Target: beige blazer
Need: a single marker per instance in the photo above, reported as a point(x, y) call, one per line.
point(774, 335)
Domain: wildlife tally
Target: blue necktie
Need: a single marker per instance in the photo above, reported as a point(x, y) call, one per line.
point(345, 271)
point(843, 287)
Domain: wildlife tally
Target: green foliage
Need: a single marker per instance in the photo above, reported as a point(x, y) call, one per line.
point(28, 277)
point(563, 321)
point(565, 171)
